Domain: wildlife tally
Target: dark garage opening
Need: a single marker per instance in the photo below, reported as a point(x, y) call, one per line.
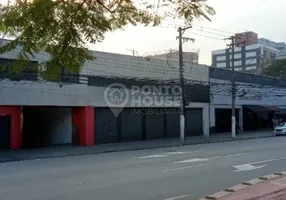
point(130, 125)
point(46, 126)
point(172, 124)
point(5, 132)
point(256, 117)
point(194, 121)
point(106, 126)
point(223, 119)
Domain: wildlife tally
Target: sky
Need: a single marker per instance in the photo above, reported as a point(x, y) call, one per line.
point(265, 17)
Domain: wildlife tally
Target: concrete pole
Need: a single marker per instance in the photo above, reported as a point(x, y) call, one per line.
point(233, 92)
point(182, 106)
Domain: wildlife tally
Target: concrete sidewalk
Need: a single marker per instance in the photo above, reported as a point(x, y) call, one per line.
point(69, 150)
point(271, 187)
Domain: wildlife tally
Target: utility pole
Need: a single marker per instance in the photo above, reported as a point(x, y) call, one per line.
point(233, 89)
point(133, 51)
point(233, 86)
point(261, 64)
point(181, 69)
point(233, 92)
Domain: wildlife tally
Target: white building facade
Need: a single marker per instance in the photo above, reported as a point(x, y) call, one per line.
point(250, 57)
point(256, 95)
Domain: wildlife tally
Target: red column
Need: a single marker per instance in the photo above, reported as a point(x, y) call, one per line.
point(83, 119)
point(15, 125)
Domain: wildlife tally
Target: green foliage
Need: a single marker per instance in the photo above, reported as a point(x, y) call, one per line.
point(3, 68)
point(61, 27)
point(278, 69)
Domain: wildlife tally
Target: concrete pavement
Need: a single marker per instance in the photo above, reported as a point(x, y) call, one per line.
point(270, 187)
point(182, 173)
point(62, 151)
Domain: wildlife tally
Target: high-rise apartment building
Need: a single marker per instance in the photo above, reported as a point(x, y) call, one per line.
point(250, 53)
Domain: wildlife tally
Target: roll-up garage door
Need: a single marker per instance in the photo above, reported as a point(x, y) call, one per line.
point(173, 125)
point(194, 121)
point(154, 126)
point(105, 126)
point(131, 125)
point(4, 132)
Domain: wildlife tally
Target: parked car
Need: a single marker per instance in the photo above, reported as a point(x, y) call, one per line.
point(280, 129)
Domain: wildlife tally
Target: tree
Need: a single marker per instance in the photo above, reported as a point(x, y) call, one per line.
point(61, 27)
point(278, 69)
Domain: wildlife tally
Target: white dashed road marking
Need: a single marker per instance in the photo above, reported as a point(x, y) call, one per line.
point(166, 154)
point(193, 160)
point(251, 166)
point(178, 197)
point(180, 168)
point(206, 159)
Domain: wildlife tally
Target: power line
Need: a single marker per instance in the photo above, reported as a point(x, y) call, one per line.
point(170, 79)
point(198, 29)
point(219, 88)
point(213, 29)
point(203, 76)
point(220, 83)
point(172, 26)
point(198, 34)
point(180, 22)
point(205, 36)
point(222, 92)
point(172, 73)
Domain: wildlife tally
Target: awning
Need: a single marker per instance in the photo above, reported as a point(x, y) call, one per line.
point(258, 108)
point(272, 108)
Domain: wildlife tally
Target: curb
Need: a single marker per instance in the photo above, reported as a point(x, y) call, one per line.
point(231, 140)
point(15, 159)
point(243, 185)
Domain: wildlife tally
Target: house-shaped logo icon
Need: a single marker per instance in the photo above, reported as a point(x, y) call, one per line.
point(116, 95)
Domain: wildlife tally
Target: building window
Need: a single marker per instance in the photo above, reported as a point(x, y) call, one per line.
point(9, 69)
point(221, 58)
point(250, 54)
point(69, 77)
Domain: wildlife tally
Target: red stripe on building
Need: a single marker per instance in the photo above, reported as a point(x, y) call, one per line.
point(15, 126)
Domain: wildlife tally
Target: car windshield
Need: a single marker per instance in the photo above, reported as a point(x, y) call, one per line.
point(281, 123)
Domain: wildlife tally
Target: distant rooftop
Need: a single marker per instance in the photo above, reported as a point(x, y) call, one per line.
point(174, 56)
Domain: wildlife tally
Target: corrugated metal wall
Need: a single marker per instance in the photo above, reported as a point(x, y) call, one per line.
point(4, 132)
point(135, 124)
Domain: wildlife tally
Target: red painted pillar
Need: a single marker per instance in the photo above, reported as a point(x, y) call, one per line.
point(88, 137)
point(15, 124)
point(16, 132)
point(83, 120)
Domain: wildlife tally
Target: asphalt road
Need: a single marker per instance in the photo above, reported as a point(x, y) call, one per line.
point(183, 173)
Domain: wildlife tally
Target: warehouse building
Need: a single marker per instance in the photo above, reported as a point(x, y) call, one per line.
point(73, 109)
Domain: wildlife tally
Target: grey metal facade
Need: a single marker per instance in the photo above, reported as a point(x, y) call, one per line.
point(130, 125)
point(106, 126)
point(222, 74)
point(154, 126)
point(195, 91)
point(135, 124)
